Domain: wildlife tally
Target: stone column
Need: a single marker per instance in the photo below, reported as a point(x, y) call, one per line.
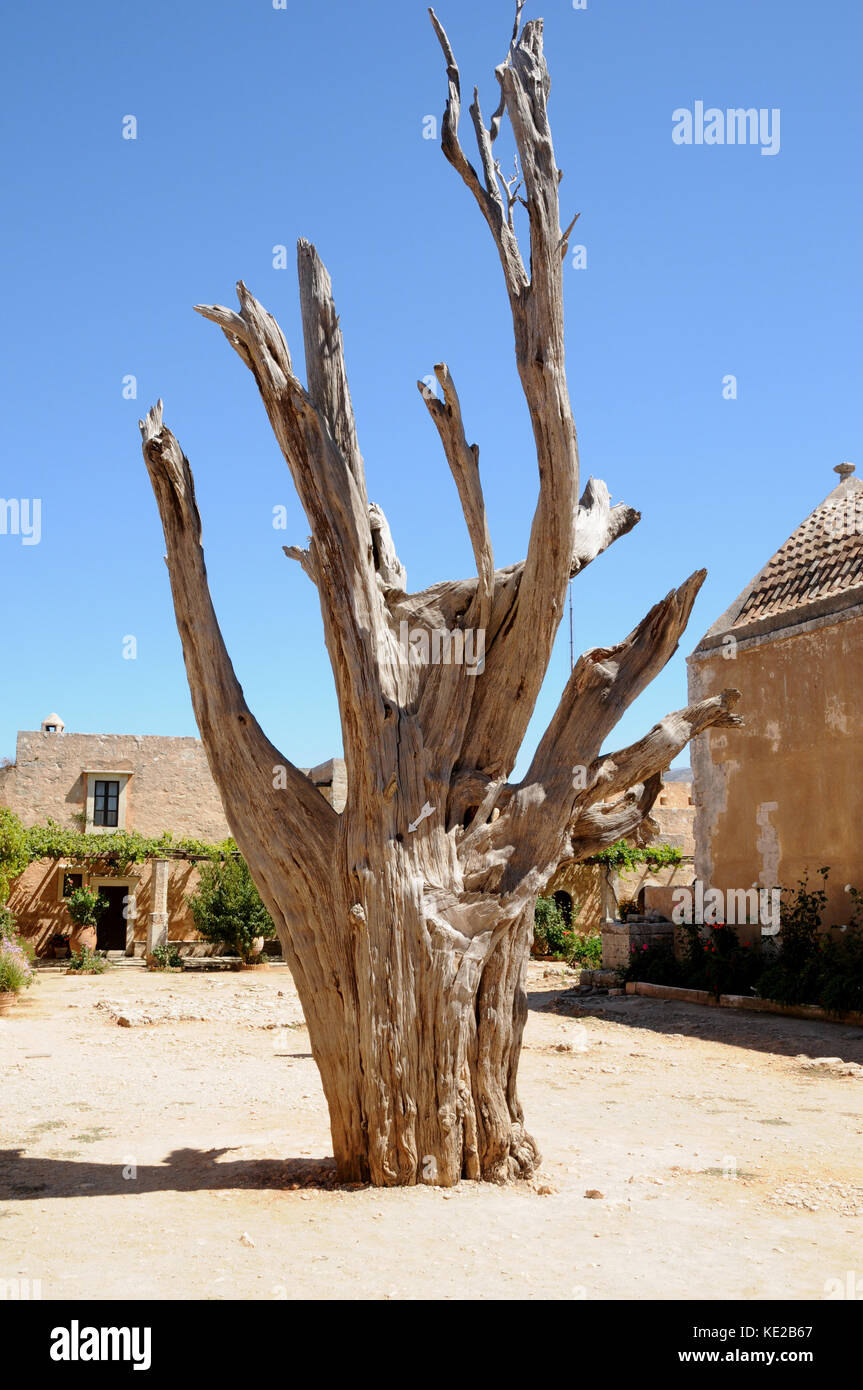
point(607, 899)
point(130, 912)
point(157, 925)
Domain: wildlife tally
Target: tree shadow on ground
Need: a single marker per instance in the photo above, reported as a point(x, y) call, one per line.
point(28, 1176)
point(754, 1032)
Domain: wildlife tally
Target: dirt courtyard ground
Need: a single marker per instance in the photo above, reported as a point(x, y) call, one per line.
point(186, 1157)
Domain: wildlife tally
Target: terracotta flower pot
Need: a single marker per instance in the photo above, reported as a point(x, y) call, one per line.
point(81, 937)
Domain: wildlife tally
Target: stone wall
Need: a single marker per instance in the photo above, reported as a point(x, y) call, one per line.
point(596, 895)
point(583, 883)
point(779, 798)
point(621, 941)
point(40, 913)
point(170, 787)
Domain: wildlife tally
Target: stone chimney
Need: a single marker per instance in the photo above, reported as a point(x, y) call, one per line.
point(53, 724)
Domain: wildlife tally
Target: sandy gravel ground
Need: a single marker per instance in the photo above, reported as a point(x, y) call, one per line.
point(183, 1153)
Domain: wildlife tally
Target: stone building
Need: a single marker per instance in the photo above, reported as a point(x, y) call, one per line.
point(106, 782)
point(780, 797)
point(594, 894)
point(113, 782)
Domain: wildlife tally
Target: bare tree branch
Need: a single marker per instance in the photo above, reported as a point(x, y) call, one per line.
point(567, 776)
point(494, 125)
point(511, 187)
point(392, 573)
point(604, 683)
point(616, 772)
point(332, 491)
point(326, 374)
point(518, 656)
point(304, 559)
point(236, 745)
point(463, 459)
point(603, 825)
point(489, 198)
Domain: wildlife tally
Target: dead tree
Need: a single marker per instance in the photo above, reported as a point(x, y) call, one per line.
point(406, 920)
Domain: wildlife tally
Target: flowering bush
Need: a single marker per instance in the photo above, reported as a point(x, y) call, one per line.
point(85, 906)
point(718, 962)
point(87, 962)
point(16, 966)
point(654, 964)
point(802, 965)
point(554, 936)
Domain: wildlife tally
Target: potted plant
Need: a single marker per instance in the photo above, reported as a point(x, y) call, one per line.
point(85, 906)
point(59, 945)
point(628, 907)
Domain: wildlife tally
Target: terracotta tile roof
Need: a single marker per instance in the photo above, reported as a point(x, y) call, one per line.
point(817, 572)
point(823, 558)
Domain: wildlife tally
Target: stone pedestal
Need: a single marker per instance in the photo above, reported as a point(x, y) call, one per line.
point(157, 931)
point(618, 939)
point(157, 923)
point(615, 945)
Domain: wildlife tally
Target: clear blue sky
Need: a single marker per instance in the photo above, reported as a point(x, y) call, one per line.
point(256, 126)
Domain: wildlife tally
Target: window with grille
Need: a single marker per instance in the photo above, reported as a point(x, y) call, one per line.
point(106, 802)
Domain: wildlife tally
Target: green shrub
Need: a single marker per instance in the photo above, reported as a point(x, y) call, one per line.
point(227, 907)
point(794, 976)
point(551, 935)
point(167, 957)
point(841, 983)
point(87, 962)
point(586, 950)
point(14, 856)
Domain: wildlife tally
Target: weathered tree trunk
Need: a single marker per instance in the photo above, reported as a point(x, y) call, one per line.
point(407, 919)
